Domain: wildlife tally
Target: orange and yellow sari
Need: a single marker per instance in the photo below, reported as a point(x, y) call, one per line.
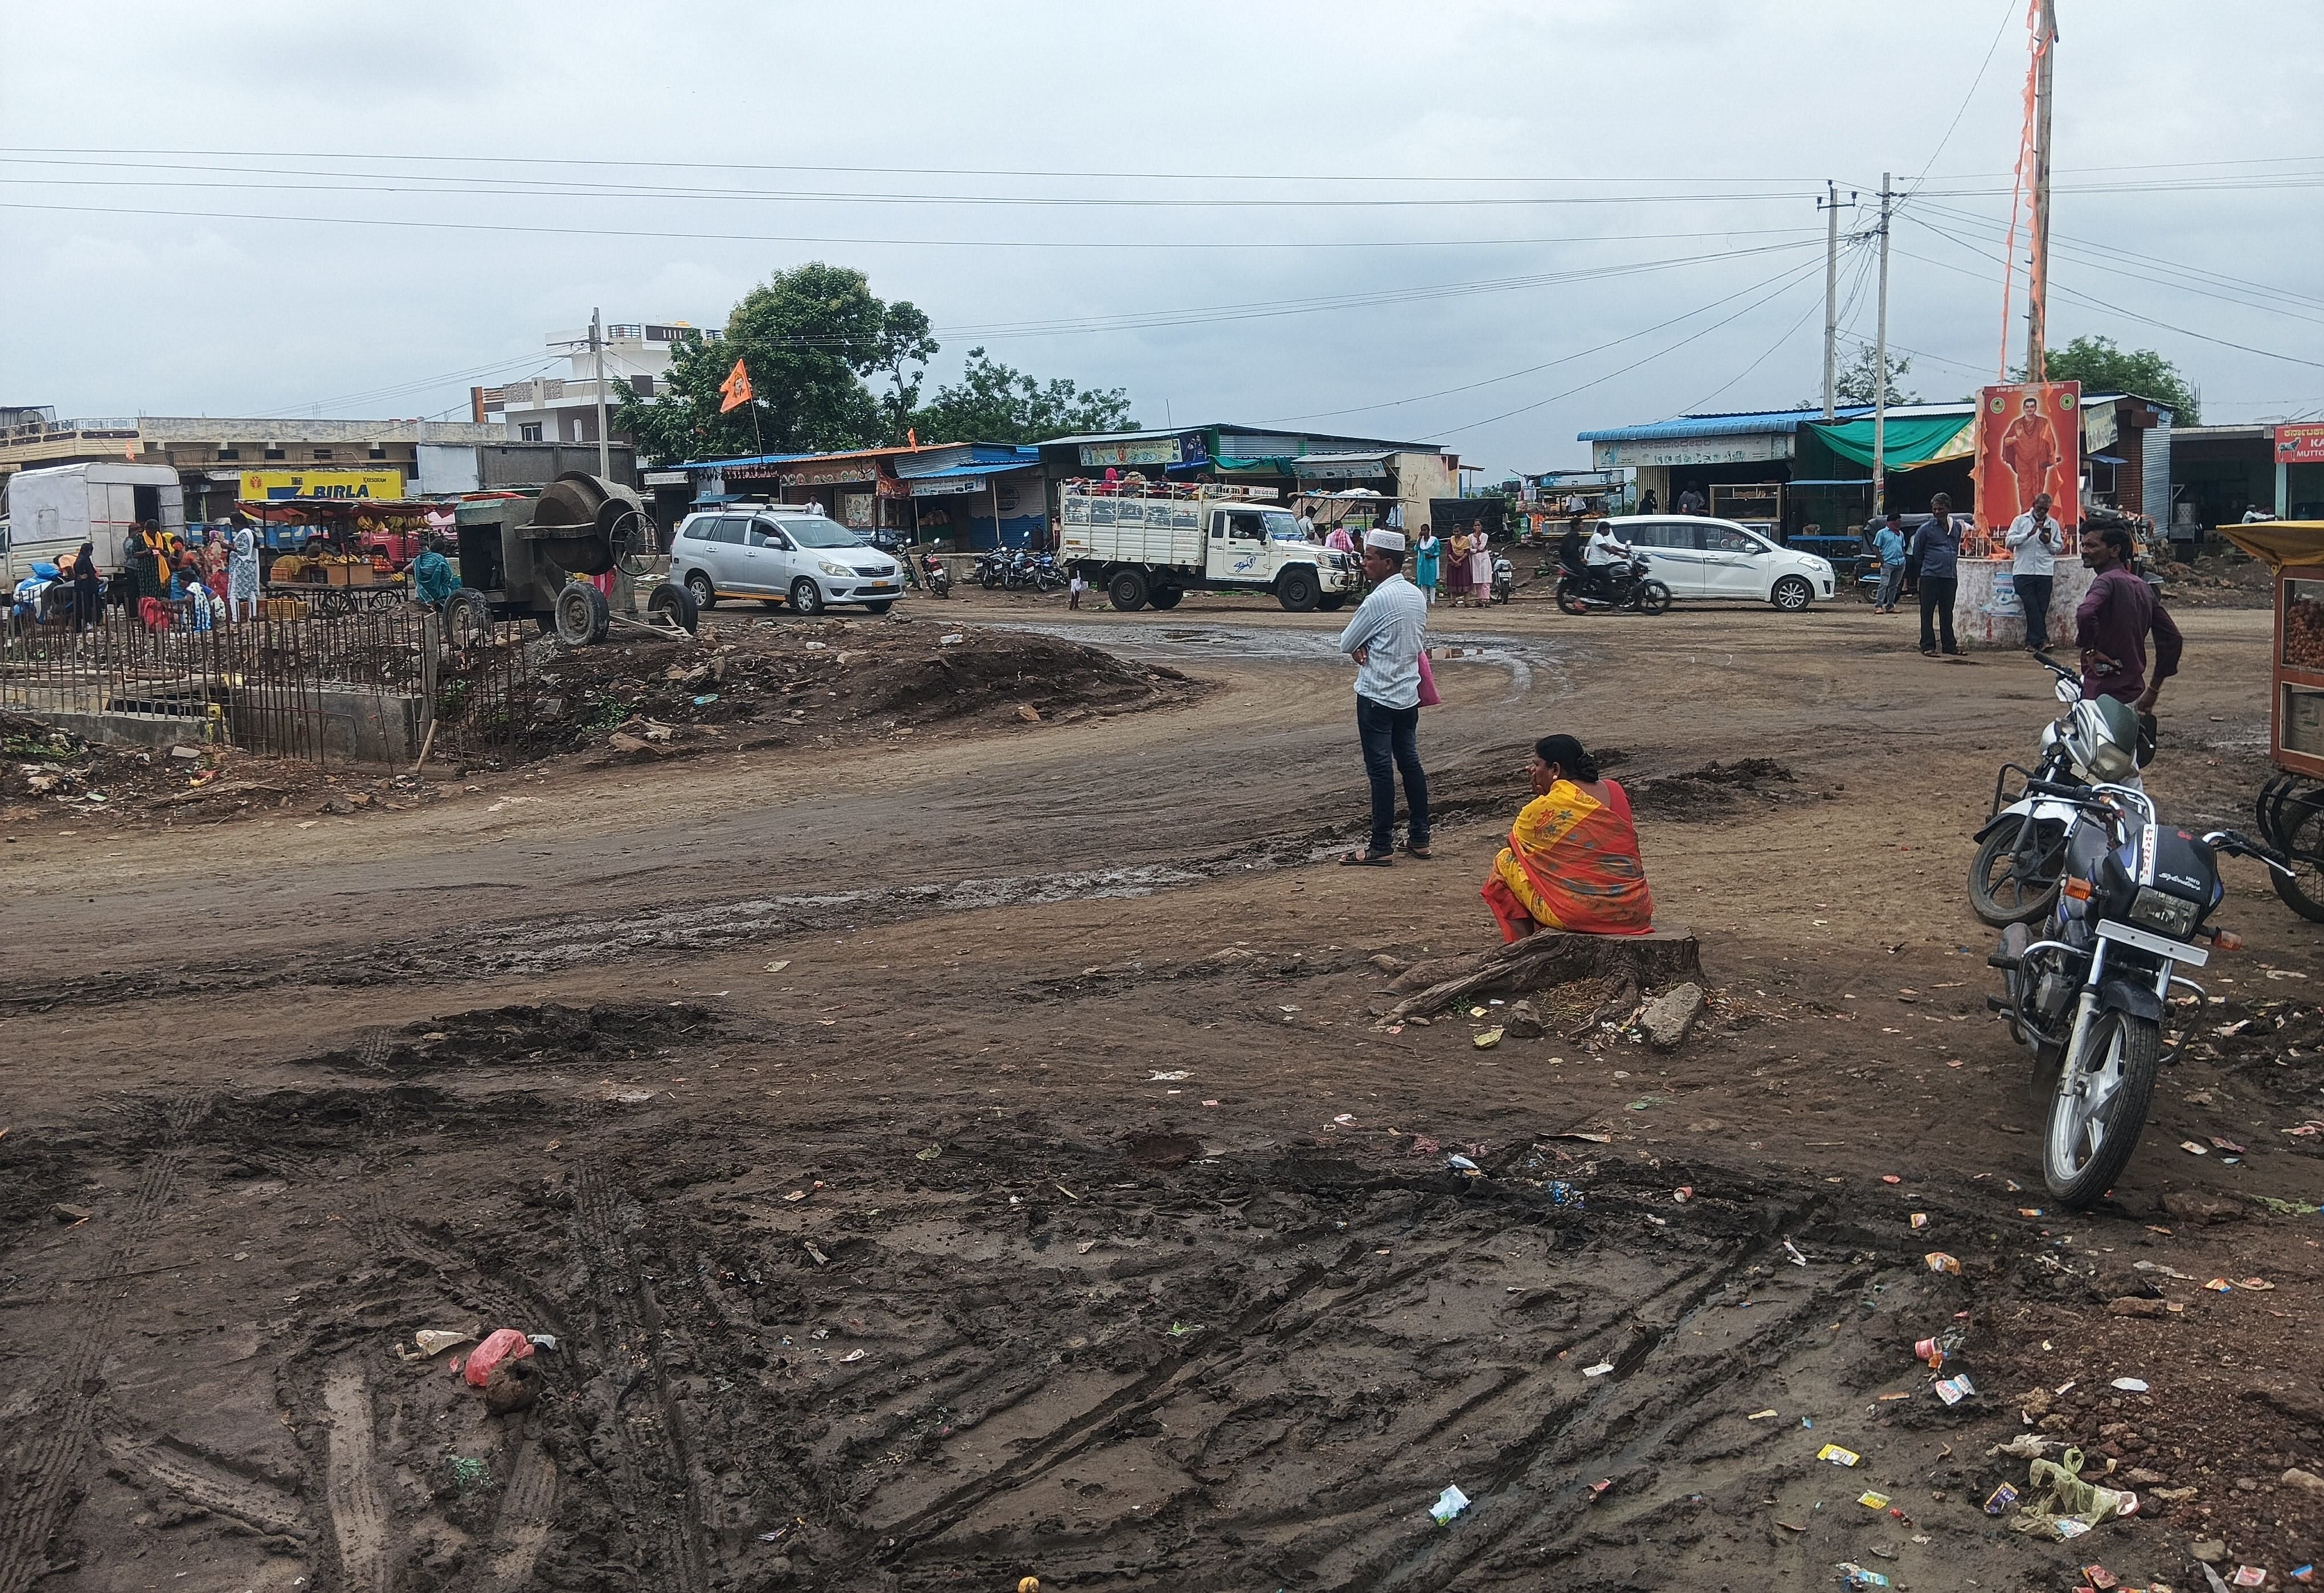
point(1571, 863)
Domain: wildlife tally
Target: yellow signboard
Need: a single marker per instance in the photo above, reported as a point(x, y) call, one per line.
point(322, 483)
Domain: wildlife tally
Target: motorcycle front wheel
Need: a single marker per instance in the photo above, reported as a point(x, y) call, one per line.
point(2099, 1108)
point(1654, 597)
point(2014, 877)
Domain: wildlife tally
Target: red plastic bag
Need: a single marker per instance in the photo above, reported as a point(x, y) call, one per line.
point(506, 1344)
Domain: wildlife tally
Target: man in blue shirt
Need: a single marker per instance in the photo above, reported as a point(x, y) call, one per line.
point(1385, 639)
point(1888, 542)
point(1936, 545)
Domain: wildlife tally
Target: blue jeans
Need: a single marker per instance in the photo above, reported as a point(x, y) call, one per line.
point(1892, 581)
point(1391, 742)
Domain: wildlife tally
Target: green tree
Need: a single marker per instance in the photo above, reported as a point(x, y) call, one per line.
point(2101, 367)
point(807, 337)
point(1852, 380)
point(993, 403)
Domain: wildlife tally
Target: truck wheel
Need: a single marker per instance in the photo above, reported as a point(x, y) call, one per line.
point(1166, 598)
point(1127, 590)
point(1294, 589)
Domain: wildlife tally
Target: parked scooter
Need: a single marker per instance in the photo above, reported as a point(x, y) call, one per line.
point(1505, 579)
point(2022, 847)
point(1621, 585)
point(2089, 999)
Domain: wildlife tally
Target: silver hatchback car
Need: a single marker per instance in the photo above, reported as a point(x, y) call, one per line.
point(789, 555)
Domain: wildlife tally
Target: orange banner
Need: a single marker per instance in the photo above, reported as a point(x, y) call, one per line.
point(2029, 441)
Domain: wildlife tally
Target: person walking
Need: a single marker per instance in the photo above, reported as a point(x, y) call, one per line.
point(2035, 539)
point(1425, 554)
point(1937, 546)
point(1889, 544)
point(1385, 638)
point(2113, 621)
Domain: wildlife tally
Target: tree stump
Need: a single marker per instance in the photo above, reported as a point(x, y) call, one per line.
point(1551, 957)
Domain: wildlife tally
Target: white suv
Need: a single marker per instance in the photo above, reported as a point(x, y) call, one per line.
point(1698, 557)
point(791, 554)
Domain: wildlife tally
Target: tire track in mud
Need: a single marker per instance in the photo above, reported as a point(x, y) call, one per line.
point(172, 1464)
point(521, 1530)
point(650, 1482)
point(359, 1518)
point(40, 1493)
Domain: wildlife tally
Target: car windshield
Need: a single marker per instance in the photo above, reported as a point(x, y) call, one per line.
point(821, 533)
point(1282, 528)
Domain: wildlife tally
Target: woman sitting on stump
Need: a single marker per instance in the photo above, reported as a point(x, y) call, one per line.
point(1572, 862)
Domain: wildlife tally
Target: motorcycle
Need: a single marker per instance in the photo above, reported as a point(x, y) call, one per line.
point(1621, 585)
point(992, 569)
point(2022, 847)
point(1505, 580)
point(938, 578)
point(2088, 1001)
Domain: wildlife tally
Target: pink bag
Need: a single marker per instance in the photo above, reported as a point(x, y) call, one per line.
point(1428, 698)
point(506, 1344)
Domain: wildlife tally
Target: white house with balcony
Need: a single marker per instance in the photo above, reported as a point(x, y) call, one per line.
point(564, 409)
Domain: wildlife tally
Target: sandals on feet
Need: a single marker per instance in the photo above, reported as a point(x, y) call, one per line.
point(1409, 850)
point(1367, 859)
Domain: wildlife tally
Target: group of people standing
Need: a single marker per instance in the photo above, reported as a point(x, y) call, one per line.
point(1927, 565)
point(1462, 563)
point(163, 575)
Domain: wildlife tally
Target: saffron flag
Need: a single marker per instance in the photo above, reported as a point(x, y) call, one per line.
point(736, 390)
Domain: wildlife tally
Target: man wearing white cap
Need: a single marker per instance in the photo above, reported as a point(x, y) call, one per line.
point(1384, 638)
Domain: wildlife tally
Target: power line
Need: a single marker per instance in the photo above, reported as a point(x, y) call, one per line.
point(1785, 337)
point(662, 233)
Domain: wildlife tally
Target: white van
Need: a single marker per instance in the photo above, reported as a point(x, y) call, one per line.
point(51, 512)
point(1699, 558)
point(785, 553)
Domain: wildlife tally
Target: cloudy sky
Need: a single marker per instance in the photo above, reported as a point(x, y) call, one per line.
point(1485, 223)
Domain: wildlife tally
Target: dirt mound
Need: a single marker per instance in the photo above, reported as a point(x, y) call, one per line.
point(1716, 789)
point(2217, 584)
point(757, 684)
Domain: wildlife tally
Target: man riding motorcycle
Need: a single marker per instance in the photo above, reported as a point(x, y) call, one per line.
point(1604, 554)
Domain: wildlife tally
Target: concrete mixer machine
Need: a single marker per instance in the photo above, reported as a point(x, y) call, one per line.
point(520, 557)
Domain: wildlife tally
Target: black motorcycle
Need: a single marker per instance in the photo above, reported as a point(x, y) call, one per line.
point(992, 569)
point(1621, 585)
point(2088, 1001)
point(936, 575)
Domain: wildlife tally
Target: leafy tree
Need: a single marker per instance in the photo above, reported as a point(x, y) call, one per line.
point(993, 403)
point(808, 337)
point(2100, 367)
point(1853, 376)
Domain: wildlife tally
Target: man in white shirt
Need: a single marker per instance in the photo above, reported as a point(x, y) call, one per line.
point(1605, 550)
point(2035, 539)
point(1385, 639)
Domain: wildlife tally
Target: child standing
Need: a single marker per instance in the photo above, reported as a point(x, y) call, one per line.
point(1074, 590)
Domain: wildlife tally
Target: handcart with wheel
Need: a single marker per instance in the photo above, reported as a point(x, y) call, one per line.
point(2292, 804)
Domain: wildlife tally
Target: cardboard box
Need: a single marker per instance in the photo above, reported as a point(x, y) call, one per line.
point(339, 575)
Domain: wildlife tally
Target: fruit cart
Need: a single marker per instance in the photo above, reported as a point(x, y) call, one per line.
point(2292, 804)
point(339, 556)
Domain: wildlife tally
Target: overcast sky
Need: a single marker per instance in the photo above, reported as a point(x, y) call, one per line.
point(1668, 151)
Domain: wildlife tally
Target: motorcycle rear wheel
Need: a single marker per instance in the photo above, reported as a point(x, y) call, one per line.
point(1571, 601)
point(2099, 1108)
point(2014, 877)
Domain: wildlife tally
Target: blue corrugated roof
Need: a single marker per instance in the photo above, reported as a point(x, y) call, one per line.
point(964, 470)
point(1742, 425)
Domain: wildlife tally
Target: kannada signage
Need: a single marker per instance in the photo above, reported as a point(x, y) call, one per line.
point(322, 483)
point(2300, 444)
point(1751, 449)
point(1153, 451)
point(2029, 439)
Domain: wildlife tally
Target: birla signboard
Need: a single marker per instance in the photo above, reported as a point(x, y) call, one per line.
point(322, 483)
point(2029, 441)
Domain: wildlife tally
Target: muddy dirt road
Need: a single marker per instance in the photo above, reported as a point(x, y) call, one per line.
point(953, 1158)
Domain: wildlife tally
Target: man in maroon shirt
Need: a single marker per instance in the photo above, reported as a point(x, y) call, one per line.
point(2112, 623)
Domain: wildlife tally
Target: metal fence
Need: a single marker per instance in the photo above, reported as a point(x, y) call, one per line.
point(345, 690)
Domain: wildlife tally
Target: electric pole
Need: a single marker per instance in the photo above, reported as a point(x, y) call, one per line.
point(2037, 286)
point(597, 347)
point(1880, 370)
point(1830, 286)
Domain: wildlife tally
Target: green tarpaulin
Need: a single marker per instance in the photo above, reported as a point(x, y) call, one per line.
point(1908, 443)
point(1267, 466)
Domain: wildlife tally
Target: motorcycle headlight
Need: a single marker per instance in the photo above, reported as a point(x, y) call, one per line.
point(2172, 916)
point(829, 568)
point(2108, 763)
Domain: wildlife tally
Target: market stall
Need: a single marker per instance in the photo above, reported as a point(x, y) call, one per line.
point(341, 555)
point(2292, 805)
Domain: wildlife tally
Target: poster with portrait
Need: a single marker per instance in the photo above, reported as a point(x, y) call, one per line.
point(2029, 441)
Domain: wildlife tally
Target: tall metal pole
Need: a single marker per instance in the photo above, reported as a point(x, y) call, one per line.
point(2037, 285)
point(1830, 292)
point(597, 347)
point(1880, 370)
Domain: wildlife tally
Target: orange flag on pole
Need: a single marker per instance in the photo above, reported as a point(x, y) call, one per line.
point(736, 390)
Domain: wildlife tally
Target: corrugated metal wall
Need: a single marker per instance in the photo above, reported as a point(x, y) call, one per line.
point(2154, 471)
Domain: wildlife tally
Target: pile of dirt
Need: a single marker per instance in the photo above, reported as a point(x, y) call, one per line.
point(2218, 584)
point(1718, 790)
point(837, 681)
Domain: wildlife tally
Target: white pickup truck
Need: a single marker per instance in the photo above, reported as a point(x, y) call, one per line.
point(1156, 550)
